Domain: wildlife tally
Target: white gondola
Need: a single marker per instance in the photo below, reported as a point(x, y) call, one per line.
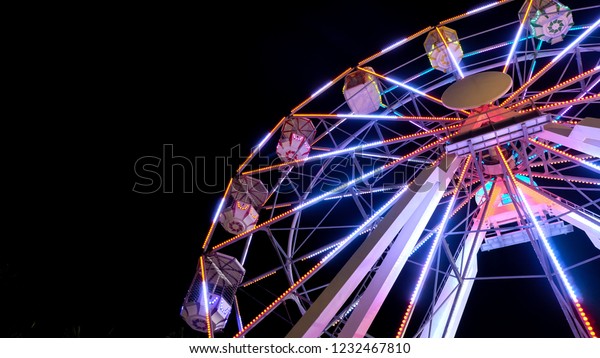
point(294, 147)
point(223, 274)
point(439, 49)
point(549, 20)
point(300, 126)
point(239, 217)
point(249, 190)
point(361, 90)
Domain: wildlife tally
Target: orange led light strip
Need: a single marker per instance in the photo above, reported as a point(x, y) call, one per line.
point(321, 90)
point(205, 298)
point(211, 229)
point(549, 250)
point(566, 155)
point(517, 36)
point(546, 68)
point(322, 262)
point(474, 11)
point(335, 190)
point(409, 88)
point(450, 54)
point(554, 162)
point(465, 201)
point(434, 245)
point(262, 277)
point(380, 116)
point(562, 104)
point(568, 179)
point(395, 45)
point(552, 89)
point(353, 149)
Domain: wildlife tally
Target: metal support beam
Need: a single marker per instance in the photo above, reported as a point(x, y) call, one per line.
point(584, 137)
point(451, 302)
point(432, 179)
point(566, 213)
point(387, 273)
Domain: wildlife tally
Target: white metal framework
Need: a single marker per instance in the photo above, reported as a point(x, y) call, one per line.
point(380, 222)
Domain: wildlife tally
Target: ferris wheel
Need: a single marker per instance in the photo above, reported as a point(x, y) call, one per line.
point(396, 183)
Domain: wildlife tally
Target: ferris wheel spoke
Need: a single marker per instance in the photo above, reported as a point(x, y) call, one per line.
point(417, 124)
point(519, 168)
point(579, 190)
point(395, 45)
point(321, 263)
point(544, 163)
point(578, 324)
point(334, 191)
point(343, 315)
point(573, 80)
point(585, 91)
point(381, 117)
point(215, 219)
point(474, 11)
point(511, 53)
point(552, 63)
point(405, 86)
point(563, 104)
point(586, 164)
point(556, 175)
point(577, 215)
point(321, 90)
point(252, 280)
point(320, 226)
point(329, 153)
point(434, 247)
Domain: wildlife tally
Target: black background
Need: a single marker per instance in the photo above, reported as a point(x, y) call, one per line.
point(90, 257)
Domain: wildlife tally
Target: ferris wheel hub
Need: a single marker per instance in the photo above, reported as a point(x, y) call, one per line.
point(496, 126)
point(476, 90)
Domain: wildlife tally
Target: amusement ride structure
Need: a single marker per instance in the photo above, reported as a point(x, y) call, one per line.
point(396, 181)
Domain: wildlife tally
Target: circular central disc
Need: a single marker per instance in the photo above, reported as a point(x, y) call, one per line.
point(476, 90)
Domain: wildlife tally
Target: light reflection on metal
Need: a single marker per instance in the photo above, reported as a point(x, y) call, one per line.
point(335, 190)
point(556, 58)
point(324, 260)
point(434, 245)
point(444, 50)
point(551, 253)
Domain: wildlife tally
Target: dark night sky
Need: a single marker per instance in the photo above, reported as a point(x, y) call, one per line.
point(116, 263)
